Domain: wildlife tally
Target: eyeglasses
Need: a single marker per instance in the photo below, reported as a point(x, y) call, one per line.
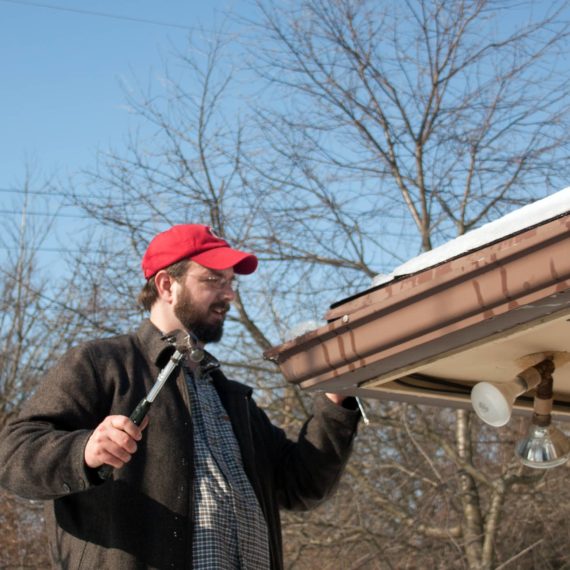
point(218, 282)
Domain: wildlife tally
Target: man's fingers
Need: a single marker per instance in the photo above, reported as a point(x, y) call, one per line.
point(124, 424)
point(144, 424)
point(113, 442)
point(122, 438)
point(116, 457)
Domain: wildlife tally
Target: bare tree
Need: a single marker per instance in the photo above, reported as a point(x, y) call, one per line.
point(401, 504)
point(370, 134)
point(438, 114)
point(403, 125)
point(40, 318)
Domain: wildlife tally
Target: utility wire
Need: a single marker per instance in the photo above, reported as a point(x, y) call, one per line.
point(100, 14)
point(80, 313)
point(48, 214)
point(37, 192)
point(52, 249)
point(54, 215)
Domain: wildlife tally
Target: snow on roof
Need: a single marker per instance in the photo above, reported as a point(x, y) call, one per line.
point(526, 217)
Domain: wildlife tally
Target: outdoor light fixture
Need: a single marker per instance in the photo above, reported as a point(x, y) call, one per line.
point(544, 446)
point(493, 402)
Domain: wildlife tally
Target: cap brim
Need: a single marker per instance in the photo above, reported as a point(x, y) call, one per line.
point(221, 258)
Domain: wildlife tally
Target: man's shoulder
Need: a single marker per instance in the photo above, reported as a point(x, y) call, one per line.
point(108, 346)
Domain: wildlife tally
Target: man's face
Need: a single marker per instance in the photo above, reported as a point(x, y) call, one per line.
point(203, 300)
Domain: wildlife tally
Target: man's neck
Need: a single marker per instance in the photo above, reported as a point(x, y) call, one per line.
point(163, 321)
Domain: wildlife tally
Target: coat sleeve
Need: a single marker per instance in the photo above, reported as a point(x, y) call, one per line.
point(42, 448)
point(308, 470)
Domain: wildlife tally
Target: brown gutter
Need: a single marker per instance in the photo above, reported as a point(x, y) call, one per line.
point(484, 294)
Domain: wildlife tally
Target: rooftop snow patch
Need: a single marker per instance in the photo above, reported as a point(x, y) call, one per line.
point(521, 219)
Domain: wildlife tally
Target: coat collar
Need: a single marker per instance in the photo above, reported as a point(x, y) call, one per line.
point(159, 351)
point(153, 343)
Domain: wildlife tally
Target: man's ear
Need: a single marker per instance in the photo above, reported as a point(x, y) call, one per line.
point(164, 285)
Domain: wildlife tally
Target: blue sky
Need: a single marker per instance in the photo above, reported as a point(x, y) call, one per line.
point(62, 68)
point(63, 64)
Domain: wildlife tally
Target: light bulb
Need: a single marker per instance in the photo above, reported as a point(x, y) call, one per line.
point(491, 404)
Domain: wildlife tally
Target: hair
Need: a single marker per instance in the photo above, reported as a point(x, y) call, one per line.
point(149, 294)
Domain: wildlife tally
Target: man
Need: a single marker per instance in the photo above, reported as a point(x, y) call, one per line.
point(200, 484)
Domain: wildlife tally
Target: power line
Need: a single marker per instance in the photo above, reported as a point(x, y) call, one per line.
point(51, 249)
point(65, 306)
point(52, 214)
point(48, 214)
point(32, 192)
point(38, 192)
point(100, 14)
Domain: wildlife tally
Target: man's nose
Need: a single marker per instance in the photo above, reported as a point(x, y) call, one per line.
point(228, 293)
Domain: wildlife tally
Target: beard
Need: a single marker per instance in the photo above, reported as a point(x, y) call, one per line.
point(194, 319)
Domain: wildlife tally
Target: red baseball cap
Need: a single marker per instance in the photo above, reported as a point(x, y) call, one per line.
point(198, 243)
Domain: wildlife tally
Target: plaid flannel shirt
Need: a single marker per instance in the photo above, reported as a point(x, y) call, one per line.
point(230, 530)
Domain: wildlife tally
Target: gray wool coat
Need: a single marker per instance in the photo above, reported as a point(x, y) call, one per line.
point(142, 517)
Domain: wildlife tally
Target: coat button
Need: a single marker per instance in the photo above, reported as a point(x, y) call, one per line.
point(66, 488)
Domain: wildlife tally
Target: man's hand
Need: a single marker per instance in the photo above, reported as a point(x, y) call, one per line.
point(336, 398)
point(113, 442)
